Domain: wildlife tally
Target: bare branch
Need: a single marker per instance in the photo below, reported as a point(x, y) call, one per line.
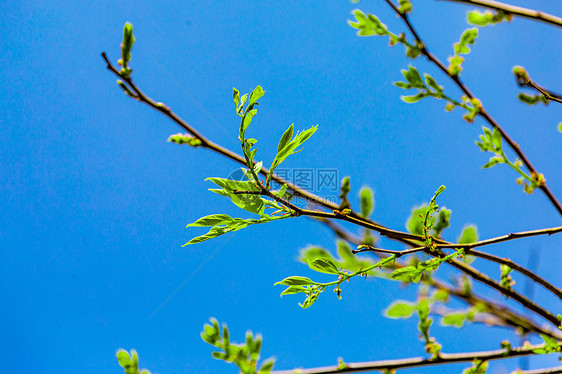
point(444, 358)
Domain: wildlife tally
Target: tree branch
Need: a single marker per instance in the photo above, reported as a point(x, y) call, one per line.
point(482, 112)
point(515, 10)
point(444, 358)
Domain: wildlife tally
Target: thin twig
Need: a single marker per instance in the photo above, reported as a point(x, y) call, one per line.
point(515, 10)
point(504, 238)
point(443, 358)
point(528, 273)
point(549, 95)
point(482, 112)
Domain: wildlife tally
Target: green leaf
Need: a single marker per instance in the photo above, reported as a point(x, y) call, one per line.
point(400, 309)
point(212, 220)
point(266, 367)
point(293, 290)
point(432, 83)
point(367, 25)
point(413, 99)
point(324, 265)
point(493, 161)
point(551, 343)
point(215, 232)
point(250, 203)
point(478, 18)
point(406, 274)
point(127, 44)
point(468, 37)
point(497, 138)
point(124, 358)
point(560, 127)
point(344, 191)
point(443, 221)
point(469, 235)
point(414, 224)
point(240, 108)
point(287, 136)
point(296, 281)
point(290, 148)
point(236, 97)
point(454, 319)
point(413, 77)
point(256, 94)
point(367, 201)
point(402, 85)
point(405, 6)
point(246, 122)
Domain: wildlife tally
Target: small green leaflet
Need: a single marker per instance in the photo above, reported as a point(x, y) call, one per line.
point(323, 265)
point(296, 281)
point(400, 309)
point(288, 147)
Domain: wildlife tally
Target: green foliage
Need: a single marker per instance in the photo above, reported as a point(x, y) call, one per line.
point(506, 280)
point(468, 235)
point(244, 355)
point(221, 224)
point(468, 37)
point(486, 18)
point(492, 142)
point(478, 367)
point(347, 260)
point(400, 309)
point(344, 191)
point(551, 346)
point(288, 146)
point(458, 318)
point(414, 273)
point(369, 25)
point(184, 139)
point(367, 201)
point(126, 46)
point(312, 289)
point(405, 6)
point(532, 99)
point(130, 362)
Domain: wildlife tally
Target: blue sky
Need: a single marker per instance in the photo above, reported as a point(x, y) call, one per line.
point(95, 201)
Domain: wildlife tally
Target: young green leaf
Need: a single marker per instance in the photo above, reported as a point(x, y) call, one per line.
point(454, 319)
point(255, 95)
point(400, 309)
point(296, 281)
point(293, 290)
point(323, 265)
point(367, 201)
point(469, 235)
point(413, 77)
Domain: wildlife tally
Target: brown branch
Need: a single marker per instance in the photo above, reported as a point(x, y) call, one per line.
point(515, 10)
point(553, 370)
point(482, 112)
point(548, 95)
point(528, 273)
point(504, 238)
point(444, 358)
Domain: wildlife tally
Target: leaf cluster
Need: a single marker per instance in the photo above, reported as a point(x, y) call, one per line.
point(244, 355)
